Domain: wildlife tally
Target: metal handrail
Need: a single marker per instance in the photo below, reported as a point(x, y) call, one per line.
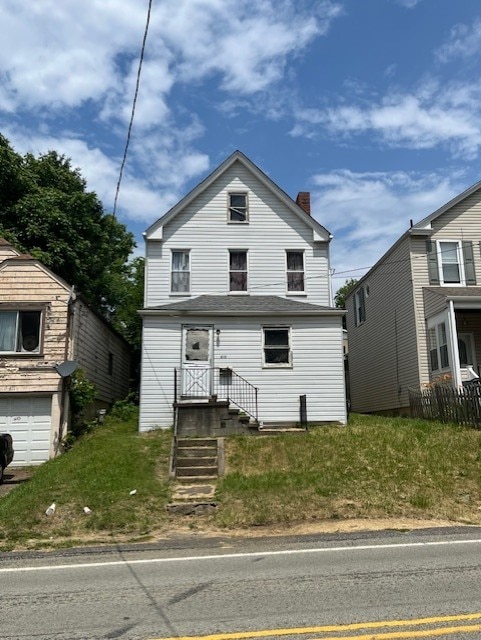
point(221, 382)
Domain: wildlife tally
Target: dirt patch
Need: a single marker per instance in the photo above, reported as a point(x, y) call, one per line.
point(12, 477)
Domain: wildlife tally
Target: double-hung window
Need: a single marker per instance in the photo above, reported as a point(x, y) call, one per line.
point(295, 271)
point(237, 207)
point(237, 270)
point(20, 331)
point(180, 273)
point(451, 267)
point(277, 347)
point(438, 347)
point(360, 306)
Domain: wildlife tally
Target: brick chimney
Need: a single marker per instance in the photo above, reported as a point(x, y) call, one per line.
point(304, 201)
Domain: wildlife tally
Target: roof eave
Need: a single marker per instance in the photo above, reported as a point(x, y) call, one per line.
point(177, 312)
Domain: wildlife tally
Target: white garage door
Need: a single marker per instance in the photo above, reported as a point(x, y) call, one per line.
point(28, 420)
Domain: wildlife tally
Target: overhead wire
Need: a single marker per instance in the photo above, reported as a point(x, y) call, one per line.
point(134, 104)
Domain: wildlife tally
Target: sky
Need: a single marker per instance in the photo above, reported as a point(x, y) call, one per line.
point(371, 105)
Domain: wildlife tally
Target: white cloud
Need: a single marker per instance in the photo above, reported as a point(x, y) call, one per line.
point(437, 115)
point(368, 212)
point(464, 41)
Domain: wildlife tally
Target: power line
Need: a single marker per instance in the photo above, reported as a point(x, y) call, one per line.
point(134, 103)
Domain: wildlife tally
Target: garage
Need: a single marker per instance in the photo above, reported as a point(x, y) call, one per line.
point(28, 419)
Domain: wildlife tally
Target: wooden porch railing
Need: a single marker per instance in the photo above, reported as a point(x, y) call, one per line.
point(222, 383)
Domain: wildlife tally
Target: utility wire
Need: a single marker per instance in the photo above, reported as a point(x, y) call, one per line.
point(134, 103)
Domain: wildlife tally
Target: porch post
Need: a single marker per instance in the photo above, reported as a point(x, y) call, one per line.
point(453, 337)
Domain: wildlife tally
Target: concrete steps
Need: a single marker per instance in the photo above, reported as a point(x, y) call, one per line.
point(196, 459)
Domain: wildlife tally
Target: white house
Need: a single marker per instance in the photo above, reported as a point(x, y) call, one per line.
point(238, 305)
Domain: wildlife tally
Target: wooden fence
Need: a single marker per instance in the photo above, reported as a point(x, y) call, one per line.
point(447, 404)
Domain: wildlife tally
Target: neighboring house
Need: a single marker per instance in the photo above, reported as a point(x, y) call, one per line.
point(415, 317)
point(45, 331)
point(238, 284)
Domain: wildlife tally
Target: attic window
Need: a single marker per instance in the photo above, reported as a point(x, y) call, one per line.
point(237, 207)
point(20, 331)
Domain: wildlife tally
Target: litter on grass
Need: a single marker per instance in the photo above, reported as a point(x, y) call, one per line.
point(51, 510)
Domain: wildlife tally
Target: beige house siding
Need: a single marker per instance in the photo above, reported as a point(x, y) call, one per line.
point(383, 349)
point(434, 303)
point(92, 343)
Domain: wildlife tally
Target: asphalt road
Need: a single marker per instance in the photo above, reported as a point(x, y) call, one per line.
point(388, 585)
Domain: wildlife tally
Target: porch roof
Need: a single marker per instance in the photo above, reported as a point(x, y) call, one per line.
point(241, 305)
point(462, 297)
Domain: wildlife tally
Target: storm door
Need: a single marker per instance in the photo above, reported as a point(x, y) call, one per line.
point(197, 372)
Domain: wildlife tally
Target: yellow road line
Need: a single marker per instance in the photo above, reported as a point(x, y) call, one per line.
point(356, 626)
point(420, 633)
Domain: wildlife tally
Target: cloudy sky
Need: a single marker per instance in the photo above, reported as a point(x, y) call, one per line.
point(372, 105)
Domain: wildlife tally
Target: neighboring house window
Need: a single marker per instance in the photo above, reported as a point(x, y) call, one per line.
point(360, 306)
point(277, 350)
point(180, 277)
point(20, 331)
point(111, 364)
point(238, 270)
point(238, 210)
point(438, 347)
point(295, 271)
point(450, 262)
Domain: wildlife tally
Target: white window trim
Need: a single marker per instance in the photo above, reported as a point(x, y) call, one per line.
point(436, 327)
point(246, 291)
point(274, 365)
point(237, 193)
point(460, 257)
point(180, 293)
point(296, 293)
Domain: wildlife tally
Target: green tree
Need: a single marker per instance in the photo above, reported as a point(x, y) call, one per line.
point(342, 292)
point(46, 210)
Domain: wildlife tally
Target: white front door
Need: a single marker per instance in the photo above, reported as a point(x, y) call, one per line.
point(197, 372)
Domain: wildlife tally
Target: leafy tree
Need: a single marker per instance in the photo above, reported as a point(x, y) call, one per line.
point(342, 292)
point(46, 211)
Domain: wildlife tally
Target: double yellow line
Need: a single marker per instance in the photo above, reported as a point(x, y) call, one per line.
point(397, 634)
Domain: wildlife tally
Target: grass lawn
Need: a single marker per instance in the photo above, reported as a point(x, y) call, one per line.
point(376, 467)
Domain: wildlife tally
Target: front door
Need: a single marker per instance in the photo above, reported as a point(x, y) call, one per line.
point(197, 372)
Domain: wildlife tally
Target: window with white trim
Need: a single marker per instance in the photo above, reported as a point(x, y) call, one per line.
point(237, 270)
point(277, 347)
point(180, 272)
point(360, 306)
point(295, 271)
point(451, 264)
point(20, 331)
point(438, 347)
point(237, 208)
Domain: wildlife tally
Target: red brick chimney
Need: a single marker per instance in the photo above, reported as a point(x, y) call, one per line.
point(304, 201)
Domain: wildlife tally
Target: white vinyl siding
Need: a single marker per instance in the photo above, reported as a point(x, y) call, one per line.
point(316, 345)
point(273, 229)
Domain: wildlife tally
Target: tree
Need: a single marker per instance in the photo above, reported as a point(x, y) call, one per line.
point(342, 292)
point(46, 211)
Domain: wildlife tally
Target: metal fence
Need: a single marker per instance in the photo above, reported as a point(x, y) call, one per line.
point(446, 403)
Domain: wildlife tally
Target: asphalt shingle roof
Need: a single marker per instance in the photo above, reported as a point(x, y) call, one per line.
point(452, 292)
point(268, 304)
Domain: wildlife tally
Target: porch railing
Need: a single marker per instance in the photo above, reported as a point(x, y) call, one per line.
point(446, 403)
point(222, 383)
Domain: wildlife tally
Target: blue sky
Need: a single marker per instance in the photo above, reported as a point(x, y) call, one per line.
point(371, 105)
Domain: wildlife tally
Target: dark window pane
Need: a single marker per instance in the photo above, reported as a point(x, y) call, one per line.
point(295, 281)
point(277, 356)
point(434, 359)
point(443, 350)
point(238, 260)
point(238, 281)
point(451, 273)
point(238, 200)
point(238, 207)
point(29, 336)
point(295, 261)
point(180, 281)
point(276, 337)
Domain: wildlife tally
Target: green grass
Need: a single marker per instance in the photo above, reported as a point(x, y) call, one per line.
point(374, 467)
point(98, 472)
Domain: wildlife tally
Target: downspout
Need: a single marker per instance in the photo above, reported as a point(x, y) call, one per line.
point(453, 335)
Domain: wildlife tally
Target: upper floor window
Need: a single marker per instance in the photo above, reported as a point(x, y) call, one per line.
point(180, 273)
point(277, 347)
point(360, 306)
point(238, 210)
point(237, 270)
point(295, 271)
point(450, 262)
point(20, 331)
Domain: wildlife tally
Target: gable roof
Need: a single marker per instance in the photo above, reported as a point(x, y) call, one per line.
point(320, 233)
point(240, 305)
point(425, 223)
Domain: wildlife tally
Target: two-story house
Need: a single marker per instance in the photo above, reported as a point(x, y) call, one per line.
point(237, 299)
point(415, 317)
point(47, 331)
